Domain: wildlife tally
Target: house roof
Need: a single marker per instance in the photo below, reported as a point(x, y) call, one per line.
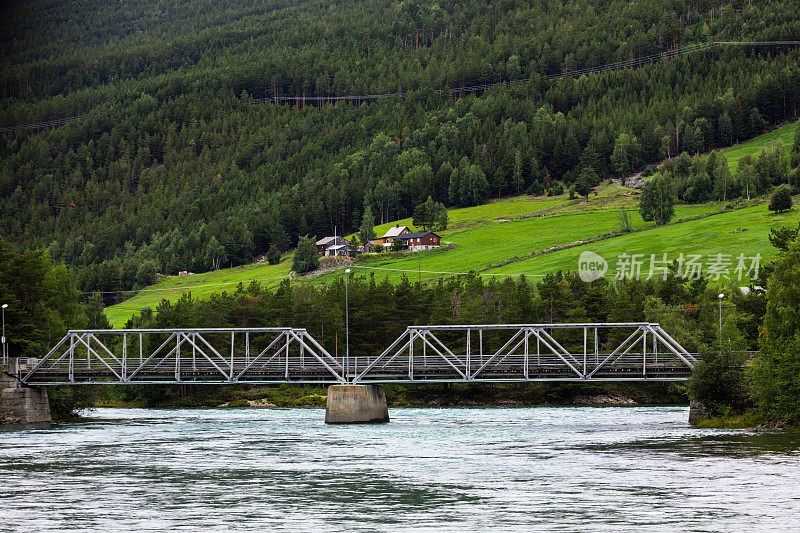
point(332, 240)
point(419, 234)
point(394, 231)
point(339, 247)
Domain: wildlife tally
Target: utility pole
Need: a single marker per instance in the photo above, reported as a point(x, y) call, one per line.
point(346, 328)
point(721, 296)
point(5, 350)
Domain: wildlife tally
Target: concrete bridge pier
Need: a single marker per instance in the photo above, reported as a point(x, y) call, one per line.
point(20, 404)
point(356, 404)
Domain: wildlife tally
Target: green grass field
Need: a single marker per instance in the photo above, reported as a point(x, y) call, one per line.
point(200, 285)
point(514, 208)
point(505, 208)
point(785, 134)
point(743, 231)
point(499, 237)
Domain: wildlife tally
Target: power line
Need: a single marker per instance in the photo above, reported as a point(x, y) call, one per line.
point(55, 123)
point(467, 89)
point(618, 65)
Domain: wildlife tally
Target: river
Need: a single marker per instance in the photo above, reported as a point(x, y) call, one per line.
point(556, 469)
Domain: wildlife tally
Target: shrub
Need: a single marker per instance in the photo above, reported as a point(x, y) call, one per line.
point(273, 256)
point(717, 381)
point(781, 200)
point(536, 188)
point(625, 224)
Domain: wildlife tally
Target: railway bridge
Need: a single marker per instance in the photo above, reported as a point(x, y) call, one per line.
point(490, 353)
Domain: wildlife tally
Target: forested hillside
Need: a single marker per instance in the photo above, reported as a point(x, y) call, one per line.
point(178, 159)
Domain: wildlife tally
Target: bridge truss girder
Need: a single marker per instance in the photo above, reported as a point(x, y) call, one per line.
point(452, 353)
point(185, 355)
point(531, 352)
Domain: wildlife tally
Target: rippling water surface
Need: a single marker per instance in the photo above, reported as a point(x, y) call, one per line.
point(565, 469)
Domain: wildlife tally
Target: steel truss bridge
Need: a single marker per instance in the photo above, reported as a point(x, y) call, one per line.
point(453, 353)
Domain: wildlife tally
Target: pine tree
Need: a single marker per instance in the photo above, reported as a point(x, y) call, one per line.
point(367, 230)
point(725, 130)
point(430, 215)
point(585, 184)
point(757, 122)
point(517, 181)
point(626, 154)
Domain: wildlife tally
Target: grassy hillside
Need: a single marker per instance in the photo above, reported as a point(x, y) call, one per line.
point(493, 243)
point(784, 134)
point(734, 232)
point(506, 208)
point(499, 237)
point(200, 285)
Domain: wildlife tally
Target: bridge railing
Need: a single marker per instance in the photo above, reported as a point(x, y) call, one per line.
point(185, 355)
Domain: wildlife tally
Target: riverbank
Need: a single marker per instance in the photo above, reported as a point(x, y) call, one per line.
point(747, 420)
point(736, 421)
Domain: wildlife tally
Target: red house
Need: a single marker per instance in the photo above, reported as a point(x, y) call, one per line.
point(423, 240)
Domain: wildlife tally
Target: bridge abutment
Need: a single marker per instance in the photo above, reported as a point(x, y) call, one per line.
point(356, 404)
point(698, 412)
point(20, 404)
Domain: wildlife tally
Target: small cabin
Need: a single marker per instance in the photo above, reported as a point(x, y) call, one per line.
point(325, 244)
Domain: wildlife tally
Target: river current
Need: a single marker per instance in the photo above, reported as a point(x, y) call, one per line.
point(471, 469)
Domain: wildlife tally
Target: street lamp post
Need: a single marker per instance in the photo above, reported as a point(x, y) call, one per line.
point(346, 328)
point(721, 296)
point(5, 351)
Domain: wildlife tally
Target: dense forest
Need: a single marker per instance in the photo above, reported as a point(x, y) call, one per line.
point(178, 159)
